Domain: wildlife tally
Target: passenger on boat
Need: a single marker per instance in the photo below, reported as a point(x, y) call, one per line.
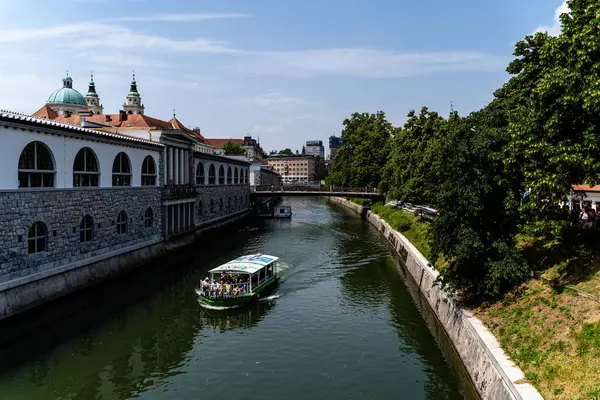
point(205, 286)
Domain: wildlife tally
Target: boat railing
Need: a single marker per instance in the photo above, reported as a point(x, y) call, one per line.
point(227, 291)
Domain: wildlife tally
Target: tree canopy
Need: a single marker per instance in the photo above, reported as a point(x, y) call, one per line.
point(365, 139)
point(540, 135)
point(233, 149)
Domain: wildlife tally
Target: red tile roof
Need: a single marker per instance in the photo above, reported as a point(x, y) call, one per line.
point(178, 125)
point(219, 143)
point(45, 112)
point(131, 121)
point(586, 188)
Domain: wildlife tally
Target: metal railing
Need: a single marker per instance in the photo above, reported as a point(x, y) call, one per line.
point(226, 290)
point(334, 189)
point(427, 213)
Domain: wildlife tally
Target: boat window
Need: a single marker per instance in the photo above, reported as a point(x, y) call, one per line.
point(254, 281)
point(270, 270)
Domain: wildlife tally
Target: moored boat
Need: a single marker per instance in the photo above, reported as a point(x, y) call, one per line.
point(240, 281)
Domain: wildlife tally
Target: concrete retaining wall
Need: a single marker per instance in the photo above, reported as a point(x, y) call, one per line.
point(24, 293)
point(492, 373)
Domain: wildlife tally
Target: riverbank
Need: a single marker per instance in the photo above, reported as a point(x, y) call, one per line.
point(550, 325)
point(493, 374)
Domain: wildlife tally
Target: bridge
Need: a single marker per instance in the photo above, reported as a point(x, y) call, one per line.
point(271, 191)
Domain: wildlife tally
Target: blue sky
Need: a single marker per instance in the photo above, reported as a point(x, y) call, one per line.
point(286, 71)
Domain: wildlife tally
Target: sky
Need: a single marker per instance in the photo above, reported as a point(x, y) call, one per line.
point(283, 71)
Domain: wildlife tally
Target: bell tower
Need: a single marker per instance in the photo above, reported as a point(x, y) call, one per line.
point(92, 99)
point(133, 101)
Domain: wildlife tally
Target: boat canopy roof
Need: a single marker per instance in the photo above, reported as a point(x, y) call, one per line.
point(246, 264)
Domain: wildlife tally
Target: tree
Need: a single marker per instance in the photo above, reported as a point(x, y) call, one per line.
point(555, 129)
point(334, 179)
point(286, 152)
point(321, 171)
point(408, 170)
point(364, 149)
point(233, 149)
point(478, 206)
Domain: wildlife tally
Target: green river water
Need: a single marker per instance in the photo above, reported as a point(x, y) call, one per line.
point(344, 324)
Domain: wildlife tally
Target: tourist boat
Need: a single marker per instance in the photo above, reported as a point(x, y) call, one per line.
point(240, 281)
point(283, 212)
point(276, 212)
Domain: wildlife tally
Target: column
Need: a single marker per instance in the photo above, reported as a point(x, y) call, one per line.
point(185, 216)
point(164, 171)
point(175, 166)
point(186, 167)
point(170, 166)
point(181, 168)
point(172, 213)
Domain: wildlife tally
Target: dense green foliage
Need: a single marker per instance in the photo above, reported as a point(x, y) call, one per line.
point(366, 139)
point(408, 169)
point(540, 135)
point(320, 169)
point(233, 149)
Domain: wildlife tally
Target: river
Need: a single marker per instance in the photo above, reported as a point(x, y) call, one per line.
point(344, 324)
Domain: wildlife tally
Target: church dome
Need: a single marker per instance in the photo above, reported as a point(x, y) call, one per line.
point(66, 94)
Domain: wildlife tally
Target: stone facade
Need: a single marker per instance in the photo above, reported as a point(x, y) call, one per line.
point(62, 211)
point(226, 199)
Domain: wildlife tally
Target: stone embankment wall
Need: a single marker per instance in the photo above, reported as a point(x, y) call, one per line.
point(28, 280)
point(492, 373)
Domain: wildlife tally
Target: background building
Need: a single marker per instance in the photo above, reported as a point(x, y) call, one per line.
point(334, 144)
point(262, 174)
point(293, 169)
point(254, 152)
point(314, 148)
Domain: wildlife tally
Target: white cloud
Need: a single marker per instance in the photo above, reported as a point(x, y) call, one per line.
point(555, 28)
point(98, 35)
point(367, 63)
point(269, 100)
point(180, 17)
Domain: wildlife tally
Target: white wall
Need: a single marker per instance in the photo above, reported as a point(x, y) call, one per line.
point(64, 150)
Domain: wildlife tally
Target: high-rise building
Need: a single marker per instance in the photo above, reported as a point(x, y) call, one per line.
point(314, 148)
point(335, 143)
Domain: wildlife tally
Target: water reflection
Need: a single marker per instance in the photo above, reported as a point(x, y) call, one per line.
point(341, 325)
point(240, 318)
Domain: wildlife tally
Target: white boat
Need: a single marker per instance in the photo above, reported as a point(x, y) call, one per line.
point(239, 281)
point(282, 212)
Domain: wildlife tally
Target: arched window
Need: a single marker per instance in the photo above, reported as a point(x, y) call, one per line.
point(235, 201)
point(236, 176)
point(200, 174)
point(229, 176)
point(148, 172)
point(86, 229)
point(121, 171)
point(229, 203)
point(221, 205)
point(212, 175)
point(200, 209)
point(212, 206)
point(37, 238)
point(122, 223)
point(246, 176)
point(85, 168)
point(148, 217)
point(36, 168)
point(221, 175)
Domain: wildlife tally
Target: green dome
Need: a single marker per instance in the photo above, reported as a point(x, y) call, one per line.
point(66, 95)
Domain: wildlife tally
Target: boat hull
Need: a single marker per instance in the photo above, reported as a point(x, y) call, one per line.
point(261, 291)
